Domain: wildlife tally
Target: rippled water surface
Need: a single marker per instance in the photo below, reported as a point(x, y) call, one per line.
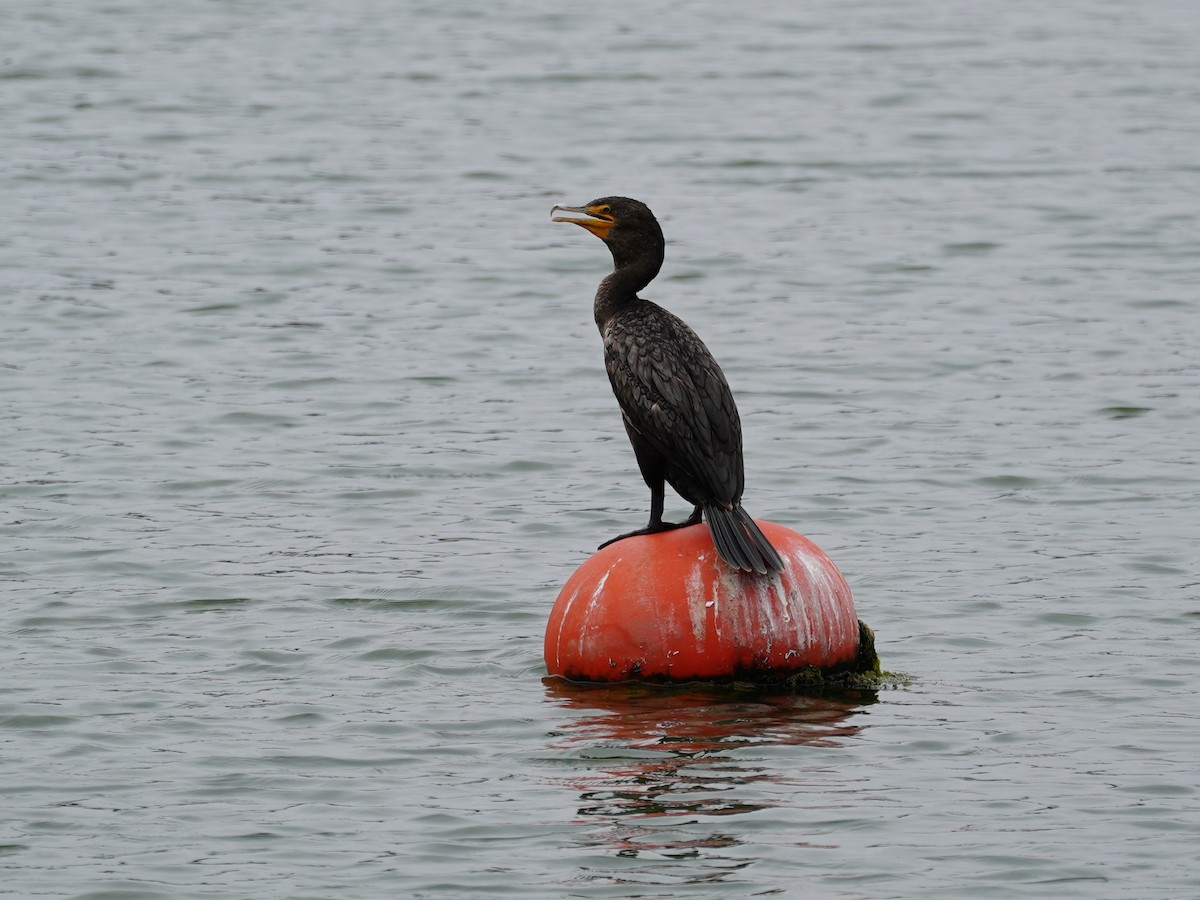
point(305, 424)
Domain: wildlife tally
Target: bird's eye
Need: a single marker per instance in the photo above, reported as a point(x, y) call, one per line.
point(604, 210)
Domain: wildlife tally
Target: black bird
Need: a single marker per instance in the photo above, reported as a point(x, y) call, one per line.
point(677, 406)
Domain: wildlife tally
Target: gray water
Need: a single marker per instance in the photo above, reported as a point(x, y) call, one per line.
point(305, 424)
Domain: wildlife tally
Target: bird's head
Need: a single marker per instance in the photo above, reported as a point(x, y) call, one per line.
point(626, 226)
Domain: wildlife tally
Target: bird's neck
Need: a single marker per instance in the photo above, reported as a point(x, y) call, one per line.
point(619, 290)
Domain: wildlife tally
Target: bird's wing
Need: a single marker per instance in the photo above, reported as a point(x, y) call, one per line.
point(674, 394)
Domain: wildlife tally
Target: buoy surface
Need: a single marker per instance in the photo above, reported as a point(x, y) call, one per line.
point(665, 607)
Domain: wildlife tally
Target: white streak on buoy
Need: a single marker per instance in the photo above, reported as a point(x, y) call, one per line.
point(599, 591)
point(596, 598)
point(562, 622)
point(697, 608)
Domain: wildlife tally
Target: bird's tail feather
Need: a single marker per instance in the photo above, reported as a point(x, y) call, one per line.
point(740, 542)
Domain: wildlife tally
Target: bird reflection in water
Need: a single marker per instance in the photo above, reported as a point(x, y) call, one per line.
point(657, 764)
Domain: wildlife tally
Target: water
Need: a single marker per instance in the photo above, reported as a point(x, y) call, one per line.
point(305, 424)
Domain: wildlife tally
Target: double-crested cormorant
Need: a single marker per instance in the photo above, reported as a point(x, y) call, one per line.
point(677, 406)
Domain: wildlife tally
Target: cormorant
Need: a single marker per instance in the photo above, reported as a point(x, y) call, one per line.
point(678, 409)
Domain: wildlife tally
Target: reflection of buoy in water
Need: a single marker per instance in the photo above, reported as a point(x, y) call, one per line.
point(665, 607)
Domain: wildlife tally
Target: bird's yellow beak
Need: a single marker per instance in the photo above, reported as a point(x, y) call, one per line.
point(597, 222)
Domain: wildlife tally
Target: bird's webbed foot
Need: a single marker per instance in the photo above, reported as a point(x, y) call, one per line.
point(656, 527)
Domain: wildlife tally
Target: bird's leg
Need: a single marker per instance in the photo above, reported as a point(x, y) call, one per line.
point(656, 524)
point(658, 492)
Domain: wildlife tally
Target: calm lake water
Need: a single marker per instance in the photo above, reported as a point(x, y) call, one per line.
point(305, 423)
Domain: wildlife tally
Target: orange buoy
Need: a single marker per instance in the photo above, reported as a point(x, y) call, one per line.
point(665, 607)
